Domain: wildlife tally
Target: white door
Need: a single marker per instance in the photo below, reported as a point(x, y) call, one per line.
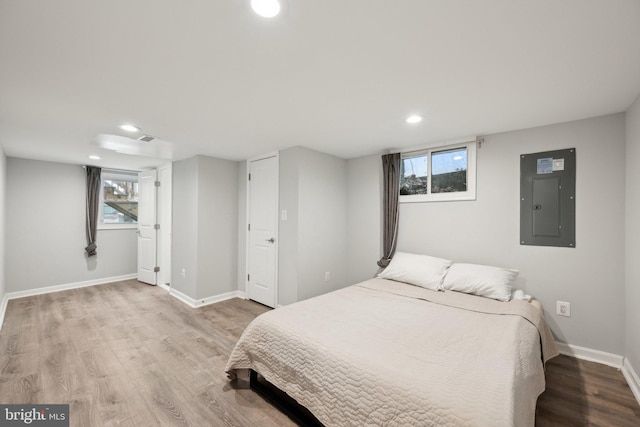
point(147, 227)
point(263, 226)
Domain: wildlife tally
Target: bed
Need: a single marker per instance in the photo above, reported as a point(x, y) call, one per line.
point(384, 352)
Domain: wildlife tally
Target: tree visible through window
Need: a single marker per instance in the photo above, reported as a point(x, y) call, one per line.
point(438, 174)
point(413, 175)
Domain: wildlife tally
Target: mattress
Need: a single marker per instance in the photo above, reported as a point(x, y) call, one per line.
point(387, 353)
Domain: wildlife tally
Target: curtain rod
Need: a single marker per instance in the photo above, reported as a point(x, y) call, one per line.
point(127, 171)
point(443, 144)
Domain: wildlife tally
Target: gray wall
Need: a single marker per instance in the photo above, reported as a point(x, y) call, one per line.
point(217, 226)
point(184, 226)
point(632, 232)
point(590, 277)
point(313, 239)
point(242, 226)
point(364, 237)
point(205, 226)
point(322, 223)
point(45, 234)
point(3, 189)
point(288, 230)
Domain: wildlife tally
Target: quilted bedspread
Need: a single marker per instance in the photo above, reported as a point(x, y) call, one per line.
point(388, 353)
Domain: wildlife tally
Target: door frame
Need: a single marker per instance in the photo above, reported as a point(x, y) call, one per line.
point(164, 212)
point(275, 154)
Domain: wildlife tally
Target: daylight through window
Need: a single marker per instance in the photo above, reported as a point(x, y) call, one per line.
point(438, 174)
point(119, 200)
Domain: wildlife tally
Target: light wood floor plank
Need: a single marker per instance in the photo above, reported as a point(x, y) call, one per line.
point(129, 354)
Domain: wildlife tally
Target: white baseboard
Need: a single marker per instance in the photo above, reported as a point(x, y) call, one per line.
point(58, 288)
point(177, 294)
point(591, 355)
point(3, 309)
point(66, 287)
point(609, 359)
point(196, 303)
point(632, 378)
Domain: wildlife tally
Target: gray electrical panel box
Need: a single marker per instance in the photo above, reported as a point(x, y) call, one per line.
point(548, 198)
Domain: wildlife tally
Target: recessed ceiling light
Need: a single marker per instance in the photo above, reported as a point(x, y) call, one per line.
point(130, 128)
point(266, 8)
point(94, 157)
point(413, 119)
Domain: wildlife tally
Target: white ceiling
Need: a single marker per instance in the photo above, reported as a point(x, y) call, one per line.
point(338, 76)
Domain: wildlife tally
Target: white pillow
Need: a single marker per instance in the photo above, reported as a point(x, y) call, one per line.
point(419, 270)
point(483, 280)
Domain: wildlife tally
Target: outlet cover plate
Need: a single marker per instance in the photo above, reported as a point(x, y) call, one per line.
point(563, 308)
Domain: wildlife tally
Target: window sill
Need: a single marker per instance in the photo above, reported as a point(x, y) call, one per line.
point(117, 226)
point(437, 197)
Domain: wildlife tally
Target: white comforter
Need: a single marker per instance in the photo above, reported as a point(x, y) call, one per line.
point(387, 353)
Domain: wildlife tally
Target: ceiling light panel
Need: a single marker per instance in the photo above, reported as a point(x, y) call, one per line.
point(266, 8)
point(413, 119)
point(130, 128)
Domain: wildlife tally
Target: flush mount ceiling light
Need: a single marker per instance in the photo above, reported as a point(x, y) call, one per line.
point(413, 119)
point(94, 157)
point(266, 8)
point(130, 128)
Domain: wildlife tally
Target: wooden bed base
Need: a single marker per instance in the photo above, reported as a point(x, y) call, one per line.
point(281, 400)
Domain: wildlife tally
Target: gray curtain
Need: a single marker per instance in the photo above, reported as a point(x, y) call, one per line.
point(390, 208)
point(93, 200)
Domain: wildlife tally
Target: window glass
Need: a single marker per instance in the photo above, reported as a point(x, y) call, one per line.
point(439, 174)
point(449, 171)
point(413, 177)
point(119, 200)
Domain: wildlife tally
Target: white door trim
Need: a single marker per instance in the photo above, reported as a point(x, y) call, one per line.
point(275, 154)
point(164, 218)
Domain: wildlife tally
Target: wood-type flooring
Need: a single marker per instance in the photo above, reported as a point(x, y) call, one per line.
point(129, 354)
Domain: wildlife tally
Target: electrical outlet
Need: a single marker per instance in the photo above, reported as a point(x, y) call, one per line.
point(284, 215)
point(327, 276)
point(184, 272)
point(563, 308)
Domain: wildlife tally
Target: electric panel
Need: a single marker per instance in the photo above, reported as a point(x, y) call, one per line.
point(547, 198)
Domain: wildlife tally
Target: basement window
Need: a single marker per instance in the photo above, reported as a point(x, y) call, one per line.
point(118, 200)
point(439, 174)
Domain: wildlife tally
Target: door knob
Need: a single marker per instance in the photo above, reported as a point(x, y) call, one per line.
point(271, 240)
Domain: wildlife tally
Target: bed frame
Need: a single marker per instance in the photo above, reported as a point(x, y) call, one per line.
point(281, 400)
